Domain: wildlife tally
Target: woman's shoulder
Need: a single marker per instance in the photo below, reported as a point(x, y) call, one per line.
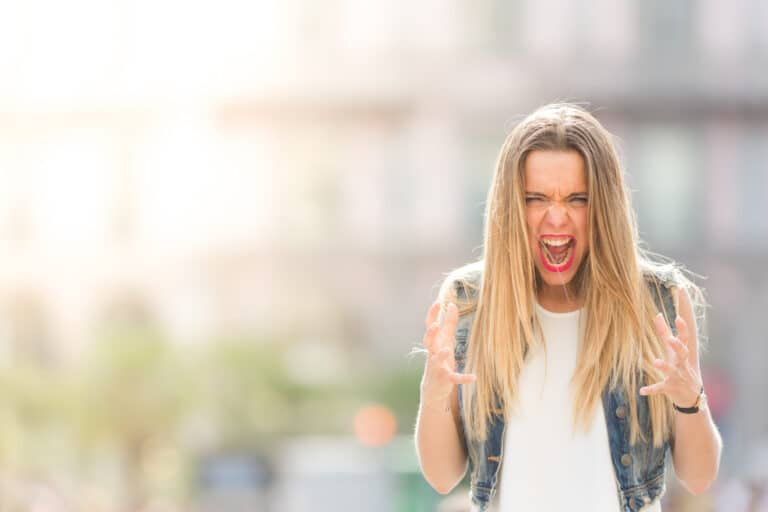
point(665, 279)
point(462, 286)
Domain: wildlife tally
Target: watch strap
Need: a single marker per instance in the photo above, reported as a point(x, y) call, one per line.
point(692, 409)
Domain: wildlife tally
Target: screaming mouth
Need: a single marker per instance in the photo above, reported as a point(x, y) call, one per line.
point(557, 253)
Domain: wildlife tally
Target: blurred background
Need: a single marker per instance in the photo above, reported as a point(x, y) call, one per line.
point(221, 226)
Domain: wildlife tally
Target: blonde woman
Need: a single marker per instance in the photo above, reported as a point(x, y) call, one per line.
point(564, 366)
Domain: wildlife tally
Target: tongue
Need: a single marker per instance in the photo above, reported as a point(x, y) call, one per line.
point(557, 250)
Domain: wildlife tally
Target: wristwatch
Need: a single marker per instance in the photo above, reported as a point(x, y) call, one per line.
point(701, 401)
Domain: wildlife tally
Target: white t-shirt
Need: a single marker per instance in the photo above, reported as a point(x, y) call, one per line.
point(548, 464)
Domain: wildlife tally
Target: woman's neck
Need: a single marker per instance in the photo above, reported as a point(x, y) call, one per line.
point(559, 299)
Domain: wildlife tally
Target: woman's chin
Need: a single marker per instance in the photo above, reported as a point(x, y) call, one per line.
point(558, 278)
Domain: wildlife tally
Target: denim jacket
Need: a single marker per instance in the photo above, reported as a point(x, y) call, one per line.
point(639, 468)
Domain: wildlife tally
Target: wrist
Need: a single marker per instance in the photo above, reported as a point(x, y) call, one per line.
point(436, 401)
point(440, 405)
point(699, 403)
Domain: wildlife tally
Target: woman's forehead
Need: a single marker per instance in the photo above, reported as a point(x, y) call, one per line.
point(553, 171)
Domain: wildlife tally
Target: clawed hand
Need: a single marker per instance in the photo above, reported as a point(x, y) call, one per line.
point(682, 381)
point(440, 374)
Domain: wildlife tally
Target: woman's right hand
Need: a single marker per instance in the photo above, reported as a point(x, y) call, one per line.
point(440, 374)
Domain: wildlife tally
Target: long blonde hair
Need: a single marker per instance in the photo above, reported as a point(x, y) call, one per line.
point(618, 342)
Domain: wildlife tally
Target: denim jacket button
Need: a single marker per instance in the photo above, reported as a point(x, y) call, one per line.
point(632, 503)
point(621, 412)
point(626, 460)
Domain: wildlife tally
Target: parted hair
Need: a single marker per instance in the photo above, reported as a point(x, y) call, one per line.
point(618, 343)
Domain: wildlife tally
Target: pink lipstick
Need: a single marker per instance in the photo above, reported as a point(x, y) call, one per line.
point(557, 242)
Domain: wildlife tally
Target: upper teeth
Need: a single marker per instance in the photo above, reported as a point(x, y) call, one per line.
point(556, 243)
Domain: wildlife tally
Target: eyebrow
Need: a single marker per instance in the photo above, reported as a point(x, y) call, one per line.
point(539, 194)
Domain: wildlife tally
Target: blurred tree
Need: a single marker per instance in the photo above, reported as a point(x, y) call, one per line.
point(33, 405)
point(135, 395)
point(245, 391)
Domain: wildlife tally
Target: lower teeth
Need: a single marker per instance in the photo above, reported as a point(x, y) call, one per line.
point(551, 260)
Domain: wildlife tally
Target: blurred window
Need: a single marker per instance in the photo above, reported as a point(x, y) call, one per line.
point(602, 27)
point(665, 28)
point(363, 158)
point(307, 186)
point(753, 185)
point(722, 149)
point(481, 156)
point(433, 180)
point(25, 336)
point(505, 18)
point(756, 26)
point(548, 28)
point(370, 27)
point(60, 180)
point(125, 310)
point(738, 184)
point(723, 26)
point(666, 166)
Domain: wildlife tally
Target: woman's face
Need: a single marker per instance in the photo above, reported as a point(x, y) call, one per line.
point(556, 213)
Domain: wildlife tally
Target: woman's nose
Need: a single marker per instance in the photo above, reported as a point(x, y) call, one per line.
point(557, 214)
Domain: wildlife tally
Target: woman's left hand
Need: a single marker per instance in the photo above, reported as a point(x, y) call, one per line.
point(682, 381)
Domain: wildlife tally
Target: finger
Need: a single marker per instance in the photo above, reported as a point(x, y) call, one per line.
point(429, 337)
point(682, 331)
point(434, 310)
point(448, 329)
point(654, 389)
point(664, 333)
point(681, 351)
point(665, 367)
point(662, 329)
point(462, 378)
point(440, 356)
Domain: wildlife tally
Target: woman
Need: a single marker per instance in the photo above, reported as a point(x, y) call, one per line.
point(563, 365)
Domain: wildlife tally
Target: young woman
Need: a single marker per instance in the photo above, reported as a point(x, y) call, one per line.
point(564, 365)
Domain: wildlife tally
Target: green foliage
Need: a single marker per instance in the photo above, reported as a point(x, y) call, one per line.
point(396, 388)
point(136, 396)
point(135, 386)
point(244, 390)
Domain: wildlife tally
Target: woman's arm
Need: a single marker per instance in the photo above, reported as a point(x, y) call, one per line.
point(439, 443)
point(697, 445)
point(441, 449)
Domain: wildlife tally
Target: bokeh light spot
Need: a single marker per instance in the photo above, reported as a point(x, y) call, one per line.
point(375, 425)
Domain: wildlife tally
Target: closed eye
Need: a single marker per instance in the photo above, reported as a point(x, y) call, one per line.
point(533, 200)
point(579, 200)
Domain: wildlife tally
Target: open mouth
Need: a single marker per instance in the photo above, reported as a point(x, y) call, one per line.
point(557, 252)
